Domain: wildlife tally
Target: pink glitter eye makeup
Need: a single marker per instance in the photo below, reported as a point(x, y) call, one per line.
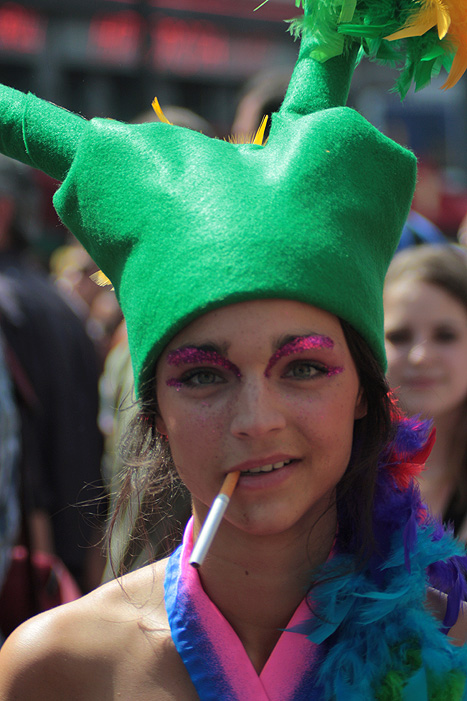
point(330, 371)
point(192, 355)
point(300, 344)
point(172, 382)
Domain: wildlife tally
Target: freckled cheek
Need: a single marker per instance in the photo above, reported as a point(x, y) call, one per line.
point(200, 431)
point(197, 425)
point(317, 407)
point(328, 420)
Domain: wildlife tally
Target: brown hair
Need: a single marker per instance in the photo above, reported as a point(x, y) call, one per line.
point(445, 266)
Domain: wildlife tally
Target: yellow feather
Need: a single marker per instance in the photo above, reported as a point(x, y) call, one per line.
point(420, 27)
point(458, 68)
point(100, 279)
point(158, 110)
point(443, 19)
point(258, 140)
point(458, 35)
point(433, 13)
point(450, 19)
point(250, 138)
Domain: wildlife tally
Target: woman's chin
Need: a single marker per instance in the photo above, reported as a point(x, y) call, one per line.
point(270, 523)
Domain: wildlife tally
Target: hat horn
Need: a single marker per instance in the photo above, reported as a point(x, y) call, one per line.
point(38, 133)
point(316, 85)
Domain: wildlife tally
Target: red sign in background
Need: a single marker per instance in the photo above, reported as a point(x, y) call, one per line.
point(162, 39)
point(21, 29)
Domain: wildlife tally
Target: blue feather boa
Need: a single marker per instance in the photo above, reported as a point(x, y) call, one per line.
point(370, 622)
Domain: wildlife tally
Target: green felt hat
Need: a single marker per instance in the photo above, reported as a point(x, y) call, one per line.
point(182, 223)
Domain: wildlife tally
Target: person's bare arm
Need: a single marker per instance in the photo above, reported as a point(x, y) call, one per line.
point(37, 662)
point(114, 642)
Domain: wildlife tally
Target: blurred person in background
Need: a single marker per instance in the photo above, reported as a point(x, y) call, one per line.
point(73, 272)
point(262, 95)
point(419, 230)
point(425, 300)
point(440, 196)
point(9, 458)
point(61, 442)
point(462, 232)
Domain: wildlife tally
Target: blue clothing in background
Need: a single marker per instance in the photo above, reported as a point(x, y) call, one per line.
point(417, 230)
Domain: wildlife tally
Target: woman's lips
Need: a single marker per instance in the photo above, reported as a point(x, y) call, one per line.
point(420, 382)
point(264, 479)
point(270, 467)
point(255, 464)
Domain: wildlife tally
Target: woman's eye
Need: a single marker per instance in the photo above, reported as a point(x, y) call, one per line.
point(305, 370)
point(201, 378)
point(446, 336)
point(398, 336)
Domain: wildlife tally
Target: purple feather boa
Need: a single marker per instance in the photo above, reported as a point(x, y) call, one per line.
point(391, 503)
point(368, 619)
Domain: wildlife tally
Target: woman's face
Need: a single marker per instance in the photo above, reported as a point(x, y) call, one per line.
point(426, 345)
point(268, 388)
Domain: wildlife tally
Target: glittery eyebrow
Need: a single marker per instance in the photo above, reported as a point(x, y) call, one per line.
point(195, 354)
point(297, 345)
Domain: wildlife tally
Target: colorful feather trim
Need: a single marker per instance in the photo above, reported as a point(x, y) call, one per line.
point(377, 638)
point(420, 37)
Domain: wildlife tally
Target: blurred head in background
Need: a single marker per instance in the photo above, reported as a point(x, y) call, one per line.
point(426, 329)
point(425, 302)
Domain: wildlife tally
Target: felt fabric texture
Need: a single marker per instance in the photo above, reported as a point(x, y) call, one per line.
point(204, 223)
point(38, 133)
point(182, 223)
point(369, 633)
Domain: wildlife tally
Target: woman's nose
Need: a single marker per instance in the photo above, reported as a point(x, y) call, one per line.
point(420, 352)
point(257, 411)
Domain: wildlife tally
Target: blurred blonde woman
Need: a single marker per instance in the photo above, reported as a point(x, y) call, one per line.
point(425, 301)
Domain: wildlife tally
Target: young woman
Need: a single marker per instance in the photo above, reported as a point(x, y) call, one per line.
point(251, 281)
point(425, 302)
point(275, 393)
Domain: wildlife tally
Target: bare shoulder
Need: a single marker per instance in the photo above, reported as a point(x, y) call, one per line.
point(436, 602)
point(89, 648)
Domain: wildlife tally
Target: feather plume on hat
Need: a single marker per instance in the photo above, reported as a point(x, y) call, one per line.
point(420, 37)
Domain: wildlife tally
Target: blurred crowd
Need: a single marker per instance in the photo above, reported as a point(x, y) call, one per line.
point(66, 389)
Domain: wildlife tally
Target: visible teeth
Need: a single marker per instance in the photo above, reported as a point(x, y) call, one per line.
point(267, 468)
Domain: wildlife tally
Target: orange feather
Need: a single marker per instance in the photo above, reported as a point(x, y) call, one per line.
point(450, 18)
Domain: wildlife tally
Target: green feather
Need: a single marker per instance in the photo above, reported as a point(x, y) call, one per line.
point(334, 25)
point(391, 688)
point(449, 687)
point(444, 687)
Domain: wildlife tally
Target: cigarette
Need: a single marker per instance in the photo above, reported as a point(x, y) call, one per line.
point(213, 520)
